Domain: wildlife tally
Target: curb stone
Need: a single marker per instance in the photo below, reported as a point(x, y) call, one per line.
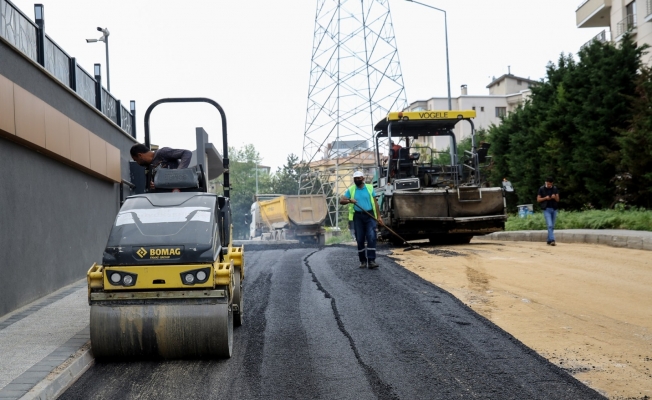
point(62, 377)
point(640, 240)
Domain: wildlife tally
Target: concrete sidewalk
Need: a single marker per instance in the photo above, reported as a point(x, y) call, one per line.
point(44, 346)
point(641, 240)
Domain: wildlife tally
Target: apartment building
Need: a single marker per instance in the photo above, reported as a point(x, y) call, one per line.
point(343, 167)
point(505, 94)
point(617, 17)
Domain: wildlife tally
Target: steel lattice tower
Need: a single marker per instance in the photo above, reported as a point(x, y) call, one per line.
point(355, 79)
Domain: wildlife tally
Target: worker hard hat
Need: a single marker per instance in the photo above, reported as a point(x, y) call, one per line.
point(358, 174)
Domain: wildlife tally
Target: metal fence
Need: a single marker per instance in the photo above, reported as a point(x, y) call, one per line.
point(85, 85)
point(18, 29)
point(109, 106)
point(57, 62)
point(30, 39)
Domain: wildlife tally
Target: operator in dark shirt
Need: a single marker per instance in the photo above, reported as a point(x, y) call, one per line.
point(164, 157)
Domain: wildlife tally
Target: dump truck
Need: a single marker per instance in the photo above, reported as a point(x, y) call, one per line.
point(429, 194)
point(289, 217)
point(170, 282)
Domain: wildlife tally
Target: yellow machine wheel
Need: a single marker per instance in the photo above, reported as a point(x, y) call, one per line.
point(192, 328)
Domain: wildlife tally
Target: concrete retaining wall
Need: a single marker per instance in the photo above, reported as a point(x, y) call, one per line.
point(54, 218)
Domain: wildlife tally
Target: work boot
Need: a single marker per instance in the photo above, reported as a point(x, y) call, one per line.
point(363, 264)
point(372, 264)
point(553, 243)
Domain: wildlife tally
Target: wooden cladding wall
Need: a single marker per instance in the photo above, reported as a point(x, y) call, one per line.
point(28, 120)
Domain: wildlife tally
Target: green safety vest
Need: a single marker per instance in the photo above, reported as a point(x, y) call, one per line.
point(370, 189)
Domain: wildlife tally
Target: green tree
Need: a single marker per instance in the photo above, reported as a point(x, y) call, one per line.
point(570, 125)
point(634, 170)
point(464, 145)
point(242, 168)
point(606, 76)
point(286, 178)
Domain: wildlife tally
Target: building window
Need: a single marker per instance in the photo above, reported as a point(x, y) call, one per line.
point(482, 109)
point(473, 108)
point(631, 14)
point(518, 82)
point(501, 111)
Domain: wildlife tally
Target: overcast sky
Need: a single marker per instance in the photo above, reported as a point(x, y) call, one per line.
point(253, 56)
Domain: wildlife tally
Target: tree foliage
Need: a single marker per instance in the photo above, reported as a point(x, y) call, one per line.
point(242, 169)
point(242, 177)
point(572, 127)
point(444, 157)
point(634, 178)
point(286, 178)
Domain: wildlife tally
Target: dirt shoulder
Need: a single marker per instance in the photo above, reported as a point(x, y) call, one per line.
point(586, 308)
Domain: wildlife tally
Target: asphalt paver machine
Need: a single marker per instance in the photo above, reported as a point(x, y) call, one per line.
point(170, 282)
point(430, 194)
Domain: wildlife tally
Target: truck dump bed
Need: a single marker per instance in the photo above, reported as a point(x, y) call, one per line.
point(300, 217)
point(300, 211)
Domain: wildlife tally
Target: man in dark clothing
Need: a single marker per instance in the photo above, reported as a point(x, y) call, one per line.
point(548, 198)
point(361, 197)
point(394, 158)
point(164, 157)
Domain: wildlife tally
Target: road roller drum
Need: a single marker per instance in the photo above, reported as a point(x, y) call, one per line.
point(169, 329)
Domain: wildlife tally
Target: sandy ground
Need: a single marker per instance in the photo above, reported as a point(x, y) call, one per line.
point(586, 308)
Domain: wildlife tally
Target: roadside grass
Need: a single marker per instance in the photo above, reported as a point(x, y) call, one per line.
point(635, 219)
point(343, 237)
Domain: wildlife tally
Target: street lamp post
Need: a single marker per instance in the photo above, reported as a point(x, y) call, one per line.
point(448, 75)
point(105, 39)
point(256, 177)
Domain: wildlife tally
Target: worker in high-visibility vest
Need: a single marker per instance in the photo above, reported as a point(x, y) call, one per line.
point(361, 197)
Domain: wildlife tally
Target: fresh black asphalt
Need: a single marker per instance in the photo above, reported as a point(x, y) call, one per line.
point(318, 327)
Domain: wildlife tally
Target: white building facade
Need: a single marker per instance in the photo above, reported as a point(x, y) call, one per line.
point(505, 94)
point(618, 17)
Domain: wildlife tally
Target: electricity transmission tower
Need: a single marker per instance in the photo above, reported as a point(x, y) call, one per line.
point(355, 79)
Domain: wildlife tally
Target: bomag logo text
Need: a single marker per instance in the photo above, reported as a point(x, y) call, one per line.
point(164, 252)
point(433, 115)
point(160, 253)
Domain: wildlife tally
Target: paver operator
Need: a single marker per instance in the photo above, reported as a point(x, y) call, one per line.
point(361, 197)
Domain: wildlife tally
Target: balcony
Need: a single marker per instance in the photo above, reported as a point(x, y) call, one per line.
point(600, 37)
point(593, 13)
point(628, 24)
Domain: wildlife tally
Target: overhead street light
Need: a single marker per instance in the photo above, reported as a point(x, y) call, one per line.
point(448, 75)
point(105, 39)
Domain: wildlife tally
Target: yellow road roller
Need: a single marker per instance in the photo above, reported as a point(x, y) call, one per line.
point(170, 282)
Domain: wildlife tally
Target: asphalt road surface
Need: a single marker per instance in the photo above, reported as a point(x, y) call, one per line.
point(318, 327)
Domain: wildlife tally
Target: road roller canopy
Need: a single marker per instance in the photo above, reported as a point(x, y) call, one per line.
point(164, 228)
point(422, 123)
